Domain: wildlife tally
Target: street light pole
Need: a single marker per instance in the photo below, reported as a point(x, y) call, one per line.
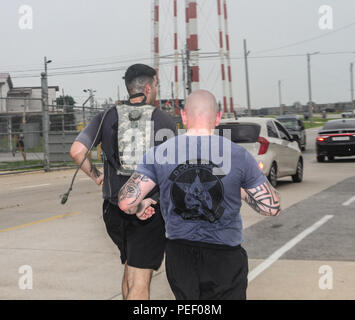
point(246, 53)
point(91, 99)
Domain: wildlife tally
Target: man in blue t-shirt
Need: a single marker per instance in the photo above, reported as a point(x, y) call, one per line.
point(202, 179)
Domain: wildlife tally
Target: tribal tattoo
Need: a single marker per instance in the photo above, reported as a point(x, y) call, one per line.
point(264, 199)
point(94, 171)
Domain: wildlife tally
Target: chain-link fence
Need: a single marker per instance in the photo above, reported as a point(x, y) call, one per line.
point(22, 138)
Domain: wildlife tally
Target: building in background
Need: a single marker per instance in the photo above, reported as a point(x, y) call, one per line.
point(24, 94)
point(5, 86)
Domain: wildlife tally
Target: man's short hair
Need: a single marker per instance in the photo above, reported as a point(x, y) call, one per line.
point(138, 76)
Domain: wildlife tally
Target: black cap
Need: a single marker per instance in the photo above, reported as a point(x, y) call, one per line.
point(138, 70)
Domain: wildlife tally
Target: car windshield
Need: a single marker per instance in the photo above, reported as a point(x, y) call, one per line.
point(289, 123)
point(241, 132)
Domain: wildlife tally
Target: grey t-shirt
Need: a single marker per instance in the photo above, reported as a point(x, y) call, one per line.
point(108, 137)
point(200, 179)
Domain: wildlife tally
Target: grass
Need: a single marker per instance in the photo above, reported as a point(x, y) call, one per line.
point(20, 165)
point(317, 122)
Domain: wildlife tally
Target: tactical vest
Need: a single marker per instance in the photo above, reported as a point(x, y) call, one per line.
point(135, 136)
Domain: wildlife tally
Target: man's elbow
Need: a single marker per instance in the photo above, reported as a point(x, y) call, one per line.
point(123, 205)
point(77, 150)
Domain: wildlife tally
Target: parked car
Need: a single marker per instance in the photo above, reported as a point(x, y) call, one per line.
point(276, 152)
point(349, 114)
point(336, 139)
point(296, 128)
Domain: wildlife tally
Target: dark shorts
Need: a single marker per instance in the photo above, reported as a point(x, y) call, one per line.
point(141, 243)
point(200, 271)
point(20, 145)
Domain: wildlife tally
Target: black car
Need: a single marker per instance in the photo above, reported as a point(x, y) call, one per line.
point(296, 128)
point(336, 139)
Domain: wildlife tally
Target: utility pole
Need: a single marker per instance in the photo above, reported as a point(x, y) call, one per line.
point(352, 85)
point(184, 72)
point(45, 120)
point(280, 98)
point(310, 103)
point(246, 54)
point(45, 115)
point(172, 93)
point(188, 71)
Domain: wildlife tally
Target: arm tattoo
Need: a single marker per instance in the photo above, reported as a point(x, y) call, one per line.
point(94, 171)
point(264, 199)
point(132, 189)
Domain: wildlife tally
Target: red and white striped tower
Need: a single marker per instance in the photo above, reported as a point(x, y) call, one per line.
point(156, 44)
point(192, 42)
point(187, 3)
point(176, 58)
point(221, 54)
point(231, 109)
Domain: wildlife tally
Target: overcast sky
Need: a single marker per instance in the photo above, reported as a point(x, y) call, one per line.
point(117, 33)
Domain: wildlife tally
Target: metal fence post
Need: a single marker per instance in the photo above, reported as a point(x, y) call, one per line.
point(45, 121)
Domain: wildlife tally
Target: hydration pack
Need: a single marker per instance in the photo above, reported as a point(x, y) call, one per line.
point(135, 136)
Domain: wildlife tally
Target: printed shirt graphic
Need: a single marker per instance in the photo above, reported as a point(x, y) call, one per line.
point(200, 179)
point(196, 193)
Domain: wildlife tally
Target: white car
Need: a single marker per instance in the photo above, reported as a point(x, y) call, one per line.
point(275, 151)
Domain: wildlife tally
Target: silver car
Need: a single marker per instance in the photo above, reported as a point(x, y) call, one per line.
point(276, 152)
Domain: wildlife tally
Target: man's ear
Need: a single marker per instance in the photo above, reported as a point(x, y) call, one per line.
point(183, 117)
point(147, 89)
point(218, 118)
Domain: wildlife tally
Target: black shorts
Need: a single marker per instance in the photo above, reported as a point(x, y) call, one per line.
point(20, 145)
point(201, 271)
point(141, 243)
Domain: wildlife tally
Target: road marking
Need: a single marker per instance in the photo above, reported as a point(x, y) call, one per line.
point(278, 253)
point(34, 186)
point(39, 221)
point(350, 201)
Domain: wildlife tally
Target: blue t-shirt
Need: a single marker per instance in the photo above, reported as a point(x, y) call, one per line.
point(200, 179)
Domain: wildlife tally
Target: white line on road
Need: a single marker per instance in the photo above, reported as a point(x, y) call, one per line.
point(349, 202)
point(278, 253)
point(34, 186)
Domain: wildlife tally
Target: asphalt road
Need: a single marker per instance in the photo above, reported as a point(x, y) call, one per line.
point(308, 252)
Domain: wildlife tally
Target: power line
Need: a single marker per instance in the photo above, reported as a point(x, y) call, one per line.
point(210, 56)
point(307, 40)
point(79, 72)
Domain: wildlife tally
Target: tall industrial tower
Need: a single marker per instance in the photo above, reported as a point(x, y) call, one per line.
point(190, 55)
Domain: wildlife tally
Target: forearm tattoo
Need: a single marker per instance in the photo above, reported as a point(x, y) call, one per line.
point(94, 171)
point(264, 199)
point(132, 189)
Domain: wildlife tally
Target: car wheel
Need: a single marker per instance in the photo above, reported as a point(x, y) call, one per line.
point(273, 175)
point(320, 158)
point(330, 158)
point(298, 177)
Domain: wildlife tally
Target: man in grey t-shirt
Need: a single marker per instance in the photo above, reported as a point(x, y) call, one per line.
point(141, 243)
point(202, 178)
